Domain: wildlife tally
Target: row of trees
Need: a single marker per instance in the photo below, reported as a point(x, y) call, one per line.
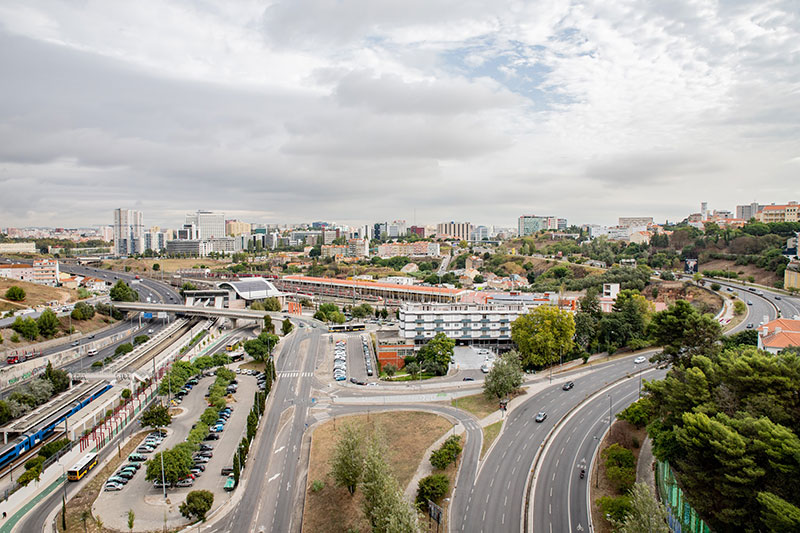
point(34, 393)
point(358, 463)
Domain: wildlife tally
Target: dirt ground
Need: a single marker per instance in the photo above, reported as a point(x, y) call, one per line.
point(763, 277)
point(408, 435)
point(624, 434)
point(167, 265)
point(671, 291)
point(35, 294)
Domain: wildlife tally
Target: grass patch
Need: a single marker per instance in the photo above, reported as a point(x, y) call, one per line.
point(477, 404)
point(490, 433)
point(253, 365)
point(408, 435)
point(407, 377)
point(88, 494)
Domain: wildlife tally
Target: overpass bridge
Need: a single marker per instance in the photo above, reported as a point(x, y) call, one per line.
point(208, 312)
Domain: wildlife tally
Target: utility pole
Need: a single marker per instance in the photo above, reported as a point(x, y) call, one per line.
point(609, 410)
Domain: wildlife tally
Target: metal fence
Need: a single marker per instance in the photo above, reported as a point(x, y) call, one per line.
point(681, 517)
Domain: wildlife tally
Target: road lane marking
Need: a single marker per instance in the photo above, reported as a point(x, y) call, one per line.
point(273, 477)
point(279, 449)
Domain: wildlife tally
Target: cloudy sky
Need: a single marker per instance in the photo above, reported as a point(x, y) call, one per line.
point(365, 110)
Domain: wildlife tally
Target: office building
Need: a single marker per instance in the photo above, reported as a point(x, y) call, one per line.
point(128, 232)
point(454, 230)
point(396, 229)
point(209, 224)
point(746, 212)
point(561, 224)
point(465, 323)
point(532, 224)
point(357, 248)
point(189, 248)
point(480, 233)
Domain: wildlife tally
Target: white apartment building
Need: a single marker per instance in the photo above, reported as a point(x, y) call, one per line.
point(531, 224)
point(155, 241)
point(18, 248)
point(458, 230)
point(635, 222)
point(358, 248)
point(209, 224)
point(464, 323)
point(409, 249)
point(128, 232)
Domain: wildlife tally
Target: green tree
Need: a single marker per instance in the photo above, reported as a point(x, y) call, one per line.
point(347, 463)
point(82, 311)
point(413, 369)
point(638, 413)
point(286, 327)
point(543, 336)
point(15, 293)
point(261, 347)
point(646, 513)
point(121, 292)
point(197, 504)
point(272, 304)
point(57, 377)
point(140, 339)
point(504, 377)
point(131, 519)
point(390, 369)
point(447, 453)
point(739, 307)
point(384, 504)
point(337, 317)
point(177, 462)
point(433, 488)
point(627, 321)
point(48, 323)
point(26, 327)
point(438, 351)
point(616, 508)
point(123, 348)
point(269, 327)
point(777, 514)
point(156, 416)
point(156, 267)
point(186, 286)
point(684, 332)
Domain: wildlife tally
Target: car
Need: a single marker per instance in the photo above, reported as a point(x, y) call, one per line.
point(777, 297)
point(137, 458)
point(76, 343)
point(729, 289)
point(134, 466)
point(200, 467)
point(227, 470)
point(150, 330)
point(145, 449)
point(157, 433)
point(195, 470)
point(540, 416)
point(206, 453)
point(129, 468)
point(340, 378)
point(206, 447)
point(568, 385)
point(91, 336)
point(468, 378)
point(158, 485)
point(201, 460)
point(749, 302)
point(217, 429)
point(188, 482)
point(639, 360)
point(126, 474)
point(210, 436)
point(117, 479)
point(750, 325)
point(109, 487)
point(353, 381)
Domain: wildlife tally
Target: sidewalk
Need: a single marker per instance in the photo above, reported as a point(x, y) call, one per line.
point(644, 468)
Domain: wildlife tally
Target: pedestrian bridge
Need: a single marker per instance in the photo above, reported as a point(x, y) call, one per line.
point(191, 310)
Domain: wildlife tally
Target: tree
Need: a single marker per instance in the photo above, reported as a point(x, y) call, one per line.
point(337, 317)
point(121, 292)
point(439, 351)
point(286, 327)
point(684, 332)
point(140, 339)
point(48, 323)
point(543, 336)
point(269, 327)
point(347, 463)
point(156, 267)
point(57, 377)
point(432, 488)
point(272, 304)
point(384, 504)
point(125, 394)
point(26, 327)
point(413, 369)
point(82, 311)
point(504, 377)
point(131, 519)
point(627, 321)
point(177, 462)
point(261, 347)
point(390, 369)
point(638, 413)
point(64, 513)
point(739, 307)
point(15, 293)
point(156, 416)
point(646, 514)
point(447, 453)
point(123, 348)
point(197, 504)
point(186, 286)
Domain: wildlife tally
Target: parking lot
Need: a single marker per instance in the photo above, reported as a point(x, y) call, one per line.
point(356, 364)
point(145, 500)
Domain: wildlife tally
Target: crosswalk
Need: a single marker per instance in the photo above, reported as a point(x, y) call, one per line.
point(295, 374)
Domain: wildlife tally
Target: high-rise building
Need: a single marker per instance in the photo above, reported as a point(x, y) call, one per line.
point(635, 222)
point(396, 229)
point(479, 233)
point(746, 212)
point(458, 230)
point(562, 224)
point(128, 232)
point(209, 224)
point(154, 240)
point(234, 228)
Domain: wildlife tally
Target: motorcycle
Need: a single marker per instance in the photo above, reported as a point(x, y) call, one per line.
point(583, 473)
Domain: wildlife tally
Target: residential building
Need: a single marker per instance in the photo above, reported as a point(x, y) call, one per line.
point(456, 230)
point(531, 224)
point(417, 230)
point(333, 250)
point(20, 272)
point(189, 247)
point(188, 232)
point(224, 245)
point(779, 213)
point(746, 212)
point(396, 229)
point(45, 272)
point(234, 228)
point(309, 237)
point(358, 248)
point(634, 222)
point(154, 241)
point(562, 224)
point(608, 297)
point(106, 233)
point(778, 335)
point(18, 248)
point(473, 262)
point(128, 232)
point(329, 235)
point(409, 249)
point(209, 224)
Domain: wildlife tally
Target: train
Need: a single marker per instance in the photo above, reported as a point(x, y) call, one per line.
point(23, 443)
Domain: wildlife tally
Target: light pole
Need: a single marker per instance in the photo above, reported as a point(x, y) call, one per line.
point(609, 410)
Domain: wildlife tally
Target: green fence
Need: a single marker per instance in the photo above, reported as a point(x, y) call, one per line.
point(681, 516)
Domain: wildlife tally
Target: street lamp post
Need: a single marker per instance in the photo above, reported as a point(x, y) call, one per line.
point(609, 410)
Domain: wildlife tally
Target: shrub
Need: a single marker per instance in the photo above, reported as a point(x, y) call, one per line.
point(447, 453)
point(317, 486)
point(715, 286)
point(35, 462)
point(15, 293)
point(615, 508)
point(53, 447)
point(123, 348)
point(433, 488)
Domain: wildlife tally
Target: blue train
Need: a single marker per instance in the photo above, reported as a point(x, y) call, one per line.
point(23, 443)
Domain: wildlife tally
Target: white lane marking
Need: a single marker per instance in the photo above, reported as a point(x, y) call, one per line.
point(273, 477)
point(279, 449)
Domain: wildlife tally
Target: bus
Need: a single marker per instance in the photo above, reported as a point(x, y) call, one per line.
point(237, 357)
point(336, 328)
point(231, 346)
point(86, 463)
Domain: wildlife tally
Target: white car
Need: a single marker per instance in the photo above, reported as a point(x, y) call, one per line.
point(639, 360)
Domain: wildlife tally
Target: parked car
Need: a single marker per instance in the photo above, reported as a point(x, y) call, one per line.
point(468, 379)
point(750, 325)
point(201, 460)
point(206, 447)
point(112, 487)
point(211, 436)
point(540, 416)
point(137, 458)
point(227, 470)
point(117, 479)
point(188, 482)
point(135, 466)
point(158, 485)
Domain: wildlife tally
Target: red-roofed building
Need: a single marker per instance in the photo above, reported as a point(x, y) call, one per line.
point(779, 213)
point(778, 334)
point(390, 293)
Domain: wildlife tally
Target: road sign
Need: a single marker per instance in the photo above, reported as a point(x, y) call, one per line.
point(434, 512)
point(161, 314)
point(147, 315)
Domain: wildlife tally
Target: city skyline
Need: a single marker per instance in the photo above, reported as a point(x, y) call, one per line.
point(429, 112)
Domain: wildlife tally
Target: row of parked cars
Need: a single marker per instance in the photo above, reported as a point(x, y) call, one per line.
point(187, 387)
point(126, 472)
point(340, 361)
point(367, 357)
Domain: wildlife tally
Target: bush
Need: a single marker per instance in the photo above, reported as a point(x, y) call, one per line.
point(123, 348)
point(27, 327)
point(715, 286)
point(35, 462)
point(53, 447)
point(15, 338)
point(15, 293)
point(126, 394)
point(433, 488)
point(29, 476)
point(638, 413)
point(620, 467)
point(615, 508)
point(447, 453)
point(317, 486)
point(140, 339)
point(390, 370)
point(82, 311)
